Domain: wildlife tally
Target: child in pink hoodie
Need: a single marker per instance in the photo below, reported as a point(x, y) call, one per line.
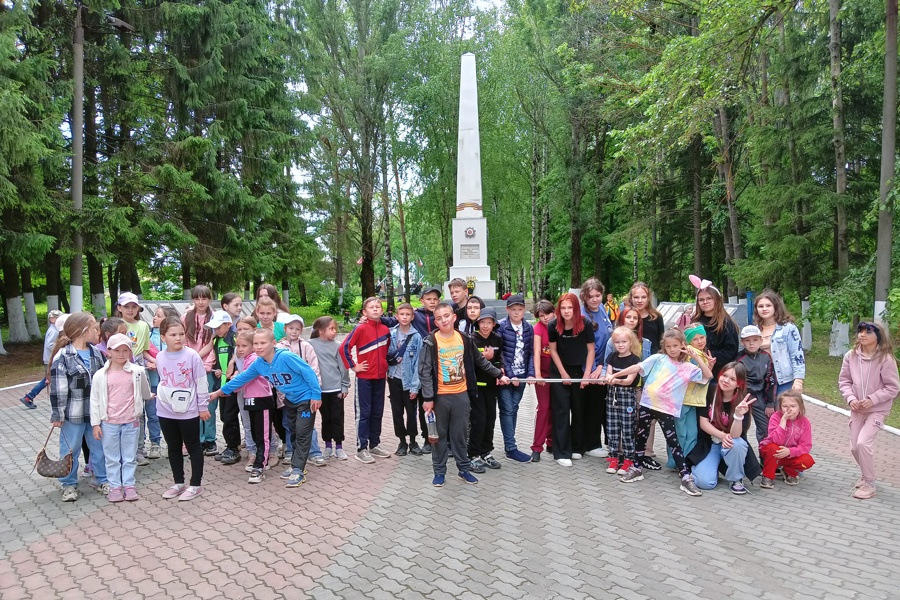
point(869, 382)
point(788, 443)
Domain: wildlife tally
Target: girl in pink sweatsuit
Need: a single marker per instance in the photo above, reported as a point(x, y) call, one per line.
point(869, 382)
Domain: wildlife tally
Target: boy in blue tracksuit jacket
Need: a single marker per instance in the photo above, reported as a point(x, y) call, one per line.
point(518, 363)
point(293, 377)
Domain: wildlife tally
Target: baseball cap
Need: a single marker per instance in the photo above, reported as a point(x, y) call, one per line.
point(119, 339)
point(294, 319)
point(750, 331)
point(433, 288)
point(693, 331)
point(128, 298)
point(220, 317)
point(487, 313)
point(515, 299)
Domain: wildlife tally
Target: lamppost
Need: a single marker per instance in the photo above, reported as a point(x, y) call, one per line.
point(76, 268)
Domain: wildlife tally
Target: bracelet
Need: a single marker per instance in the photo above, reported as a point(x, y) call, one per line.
point(738, 418)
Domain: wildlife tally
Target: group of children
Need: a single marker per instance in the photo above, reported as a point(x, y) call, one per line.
point(454, 363)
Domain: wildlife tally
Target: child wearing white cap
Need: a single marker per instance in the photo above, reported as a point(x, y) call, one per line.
point(118, 392)
point(761, 381)
point(128, 308)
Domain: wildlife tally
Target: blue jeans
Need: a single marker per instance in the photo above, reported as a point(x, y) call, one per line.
point(70, 436)
point(120, 444)
point(782, 387)
point(706, 474)
point(314, 449)
point(150, 422)
point(508, 398)
point(208, 427)
point(37, 389)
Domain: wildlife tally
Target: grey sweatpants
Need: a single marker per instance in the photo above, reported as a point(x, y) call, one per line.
point(451, 414)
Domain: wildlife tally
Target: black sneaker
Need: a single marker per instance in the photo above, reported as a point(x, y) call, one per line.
point(535, 457)
point(414, 449)
point(211, 449)
point(651, 464)
point(490, 462)
point(477, 466)
point(426, 449)
point(230, 457)
point(28, 403)
point(402, 449)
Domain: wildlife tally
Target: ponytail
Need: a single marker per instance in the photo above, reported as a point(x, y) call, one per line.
point(76, 325)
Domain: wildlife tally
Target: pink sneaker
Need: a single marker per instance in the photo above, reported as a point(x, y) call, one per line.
point(190, 493)
point(174, 491)
point(865, 491)
point(115, 494)
point(131, 494)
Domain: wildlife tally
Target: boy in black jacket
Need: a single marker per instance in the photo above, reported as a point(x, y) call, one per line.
point(447, 369)
point(761, 383)
point(484, 408)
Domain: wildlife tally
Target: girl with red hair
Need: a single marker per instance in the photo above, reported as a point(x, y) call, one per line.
point(572, 355)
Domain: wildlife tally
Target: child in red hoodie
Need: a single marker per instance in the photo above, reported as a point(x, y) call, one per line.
point(788, 443)
point(371, 340)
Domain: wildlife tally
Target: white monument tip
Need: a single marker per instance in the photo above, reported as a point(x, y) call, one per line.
point(470, 260)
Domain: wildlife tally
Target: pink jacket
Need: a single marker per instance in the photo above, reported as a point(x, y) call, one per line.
point(878, 379)
point(304, 350)
point(796, 435)
point(259, 387)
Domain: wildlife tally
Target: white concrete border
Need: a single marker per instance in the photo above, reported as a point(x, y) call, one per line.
point(842, 411)
point(12, 387)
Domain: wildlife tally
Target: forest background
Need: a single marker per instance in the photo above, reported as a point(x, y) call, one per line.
point(312, 144)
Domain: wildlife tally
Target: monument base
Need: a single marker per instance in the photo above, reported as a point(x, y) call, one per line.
point(485, 287)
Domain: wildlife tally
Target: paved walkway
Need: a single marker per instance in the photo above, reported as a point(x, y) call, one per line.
point(526, 531)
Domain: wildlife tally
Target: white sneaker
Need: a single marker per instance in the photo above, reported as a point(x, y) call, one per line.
point(379, 452)
point(363, 456)
point(600, 452)
point(564, 462)
point(340, 454)
point(327, 453)
point(319, 460)
point(576, 456)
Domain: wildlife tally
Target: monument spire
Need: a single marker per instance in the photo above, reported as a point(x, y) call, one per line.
point(468, 172)
point(470, 261)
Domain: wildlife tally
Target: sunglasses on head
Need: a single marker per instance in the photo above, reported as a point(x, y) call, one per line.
point(864, 326)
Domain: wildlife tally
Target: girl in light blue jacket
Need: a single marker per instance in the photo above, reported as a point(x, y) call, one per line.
point(782, 339)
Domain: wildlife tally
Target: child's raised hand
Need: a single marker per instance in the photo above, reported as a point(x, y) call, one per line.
point(744, 405)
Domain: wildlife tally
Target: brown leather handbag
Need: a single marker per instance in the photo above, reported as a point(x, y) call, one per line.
point(47, 467)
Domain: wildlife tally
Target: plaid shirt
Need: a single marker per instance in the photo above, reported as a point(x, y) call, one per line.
point(70, 385)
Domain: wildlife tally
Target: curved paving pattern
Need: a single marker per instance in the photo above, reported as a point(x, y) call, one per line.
point(526, 531)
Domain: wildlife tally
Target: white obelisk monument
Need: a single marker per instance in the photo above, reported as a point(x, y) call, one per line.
point(470, 260)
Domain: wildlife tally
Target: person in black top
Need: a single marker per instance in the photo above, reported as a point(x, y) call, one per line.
point(639, 298)
point(721, 330)
point(572, 353)
point(483, 417)
point(621, 402)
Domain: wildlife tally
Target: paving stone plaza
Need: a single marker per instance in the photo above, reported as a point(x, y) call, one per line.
point(381, 531)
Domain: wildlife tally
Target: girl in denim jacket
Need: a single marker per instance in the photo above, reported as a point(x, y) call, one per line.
point(781, 339)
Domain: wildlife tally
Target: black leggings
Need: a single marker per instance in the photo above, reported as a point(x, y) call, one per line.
point(667, 424)
point(332, 411)
point(187, 432)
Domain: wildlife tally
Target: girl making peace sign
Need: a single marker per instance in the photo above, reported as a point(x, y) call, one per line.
point(722, 444)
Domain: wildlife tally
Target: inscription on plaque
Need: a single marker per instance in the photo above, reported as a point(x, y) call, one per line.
point(469, 251)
